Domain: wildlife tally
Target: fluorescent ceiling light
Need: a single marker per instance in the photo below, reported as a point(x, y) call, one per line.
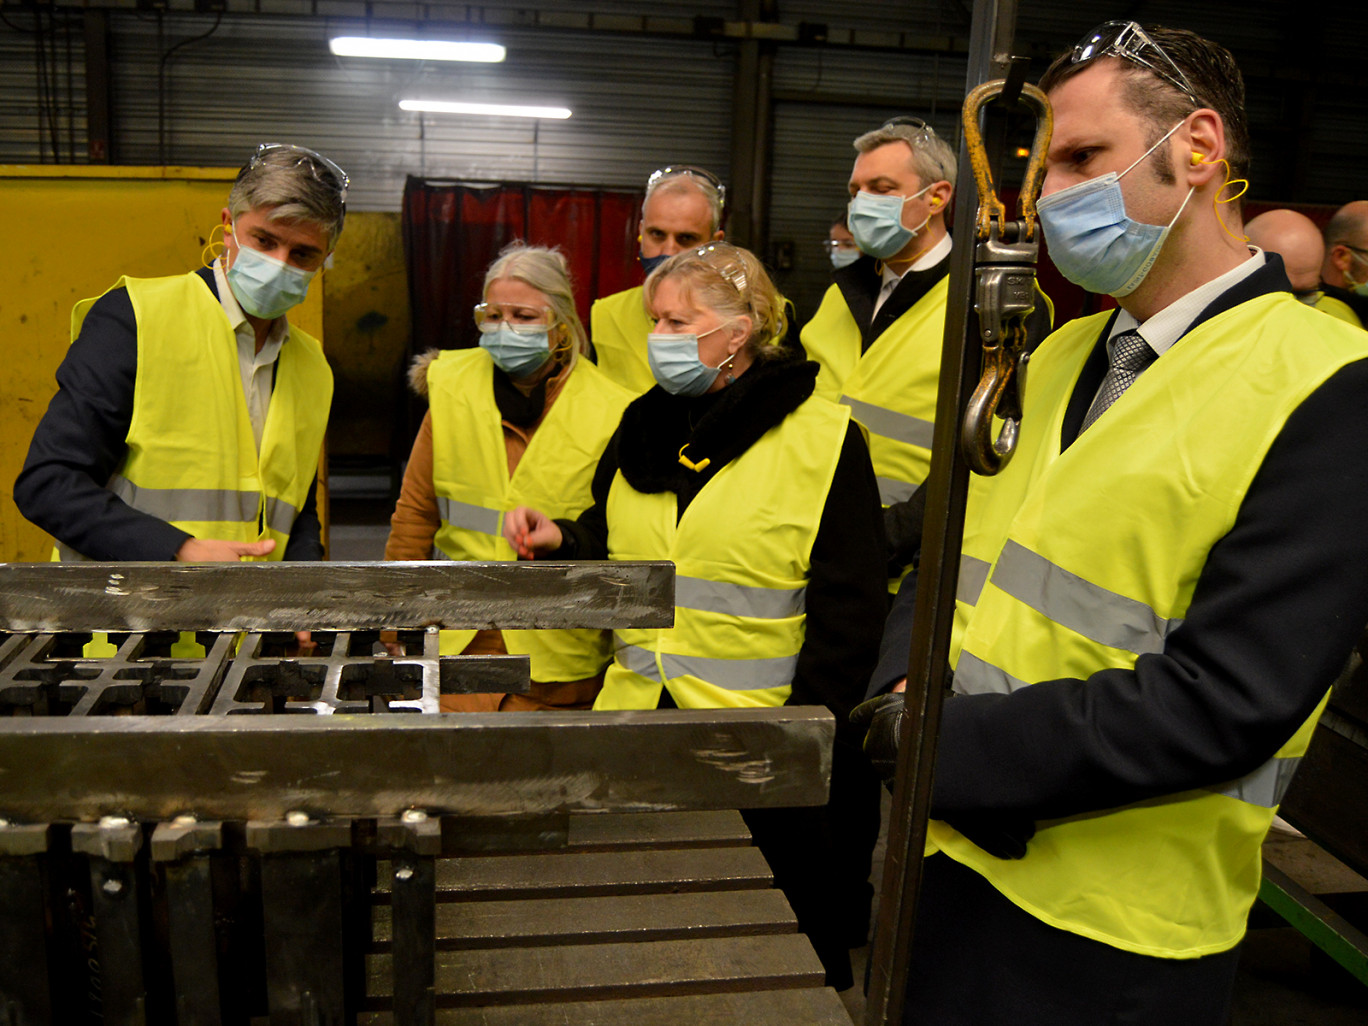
point(416, 49)
point(503, 110)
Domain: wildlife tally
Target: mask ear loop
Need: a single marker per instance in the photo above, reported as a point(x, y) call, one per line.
point(207, 257)
point(1198, 158)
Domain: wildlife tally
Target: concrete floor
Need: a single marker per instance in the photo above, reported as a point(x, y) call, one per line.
point(1283, 979)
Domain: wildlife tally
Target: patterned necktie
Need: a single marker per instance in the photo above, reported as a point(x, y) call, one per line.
point(1130, 354)
point(884, 293)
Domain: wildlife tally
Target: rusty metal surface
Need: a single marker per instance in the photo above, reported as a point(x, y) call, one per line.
point(585, 874)
point(669, 916)
point(49, 675)
point(342, 596)
point(810, 1006)
point(491, 764)
point(570, 972)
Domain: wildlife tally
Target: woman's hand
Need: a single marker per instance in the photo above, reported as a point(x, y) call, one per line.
point(531, 532)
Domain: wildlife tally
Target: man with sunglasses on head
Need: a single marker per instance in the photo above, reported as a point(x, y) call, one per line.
point(1344, 275)
point(682, 210)
point(877, 335)
point(189, 415)
point(1155, 594)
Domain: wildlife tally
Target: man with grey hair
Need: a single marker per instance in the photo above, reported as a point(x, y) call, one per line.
point(682, 209)
point(189, 415)
point(1344, 275)
point(877, 334)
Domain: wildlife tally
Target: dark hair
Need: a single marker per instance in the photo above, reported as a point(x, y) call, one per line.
point(1208, 66)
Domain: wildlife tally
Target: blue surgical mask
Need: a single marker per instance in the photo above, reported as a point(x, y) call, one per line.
point(649, 264)
point(264, 286)
point(1093, 242)
point(876, 223)
point(674, 362)
point(518, 351)
point(844, 257)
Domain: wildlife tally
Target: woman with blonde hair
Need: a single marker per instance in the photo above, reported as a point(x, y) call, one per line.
point(764, 497)
point(520, 419)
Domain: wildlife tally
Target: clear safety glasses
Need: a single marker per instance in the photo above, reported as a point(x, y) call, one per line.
point(723, 258)
point(323, 169)
point(1127, 40)
point(490, 317)
point(702, 174)
point(923, 130)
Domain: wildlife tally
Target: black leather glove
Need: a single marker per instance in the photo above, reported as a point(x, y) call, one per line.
point(1001, 834)
point(881, 719)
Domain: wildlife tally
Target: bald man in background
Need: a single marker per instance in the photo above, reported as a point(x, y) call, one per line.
point(1296, 239)
point(1344, 275)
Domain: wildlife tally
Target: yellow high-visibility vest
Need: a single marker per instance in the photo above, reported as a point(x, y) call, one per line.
point(743, 554)
point(192, 457)
point(618, 326)
point(890, 388)
point(555, 474)
point(1080, 561)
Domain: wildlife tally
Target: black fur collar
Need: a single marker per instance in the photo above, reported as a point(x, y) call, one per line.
point(717, 427)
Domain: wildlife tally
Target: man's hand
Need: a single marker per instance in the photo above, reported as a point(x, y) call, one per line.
point(531, 532)
point(882, 719)
point(1001, 834)
point(216, 550)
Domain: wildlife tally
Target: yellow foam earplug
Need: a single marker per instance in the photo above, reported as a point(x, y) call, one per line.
point(1197, 158)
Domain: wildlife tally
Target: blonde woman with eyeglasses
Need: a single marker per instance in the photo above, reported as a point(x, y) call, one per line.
point(764, 498)
point(521, 418)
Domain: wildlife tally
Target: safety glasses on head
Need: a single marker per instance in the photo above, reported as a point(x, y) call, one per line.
point(323, 170)
point(722, 257)
point(919, 127)
point(701, 173)
point(490, 317)
point(1127, 40)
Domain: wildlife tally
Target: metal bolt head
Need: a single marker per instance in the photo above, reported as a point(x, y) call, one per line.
point(413, 816)
point(403, 874)
point(114, 822)
point(112, 886)
point(297, 817)
point(185, 819)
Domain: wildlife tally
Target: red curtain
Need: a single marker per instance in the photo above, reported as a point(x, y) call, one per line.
point(453, 232)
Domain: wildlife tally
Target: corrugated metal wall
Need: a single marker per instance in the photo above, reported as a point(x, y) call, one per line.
point(274, 78)
point(643, 90)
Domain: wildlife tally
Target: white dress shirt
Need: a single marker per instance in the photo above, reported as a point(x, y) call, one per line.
point(257, 368)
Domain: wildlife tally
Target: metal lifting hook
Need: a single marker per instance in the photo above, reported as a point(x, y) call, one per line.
point(1004, 292)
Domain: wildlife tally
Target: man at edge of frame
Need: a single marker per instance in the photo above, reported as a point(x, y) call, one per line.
point(1155, 595)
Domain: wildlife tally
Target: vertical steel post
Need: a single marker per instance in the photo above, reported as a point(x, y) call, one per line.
point(947, 486)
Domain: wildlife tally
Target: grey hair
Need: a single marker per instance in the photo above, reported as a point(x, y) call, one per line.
point(932, 157)
point(547, 271)
point(683, 181)
point(291, 187)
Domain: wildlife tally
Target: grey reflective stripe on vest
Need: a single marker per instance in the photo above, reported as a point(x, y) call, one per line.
point(1264, 787)
point(973, 575)
point(189, 505)
point(890, 423)
point(469, 517)
point(728, 674)
point(280, 515)
point(1098, 614)
point(739, 599)
point(892, 490)
point(975, 677)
